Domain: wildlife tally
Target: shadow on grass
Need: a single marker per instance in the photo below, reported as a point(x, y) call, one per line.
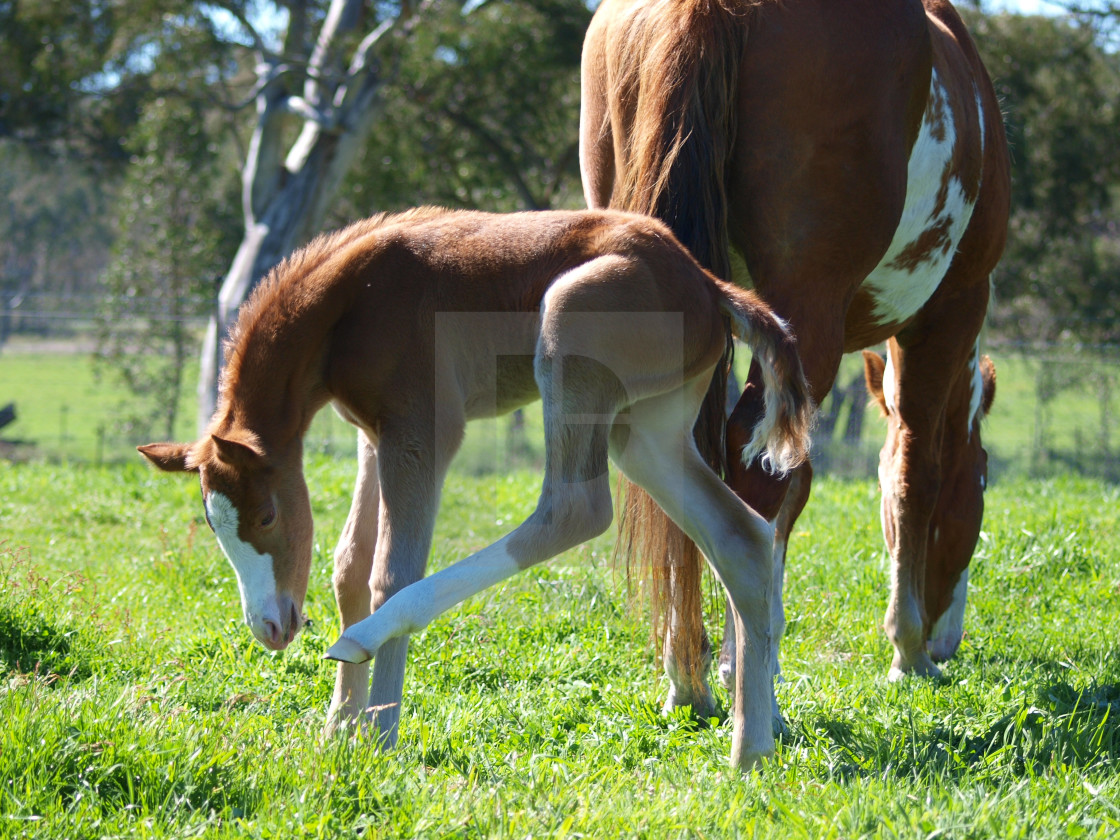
point(1066, 725)
point(30, 642)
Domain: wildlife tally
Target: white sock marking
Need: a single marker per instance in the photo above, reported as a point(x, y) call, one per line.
point(415, 606)
point(946, 635)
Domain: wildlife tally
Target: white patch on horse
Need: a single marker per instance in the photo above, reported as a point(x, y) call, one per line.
point(934, 218)
point(946, 635)
point(255, 578)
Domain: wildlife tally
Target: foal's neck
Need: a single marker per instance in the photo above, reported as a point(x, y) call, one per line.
point(274, 380)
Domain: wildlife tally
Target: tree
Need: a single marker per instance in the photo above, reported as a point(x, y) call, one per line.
point(331, 101)
point(463, 135)
point(74, 73)
point(39, 270)
point(325, 94)
point(1060, 276)
point(176, 224)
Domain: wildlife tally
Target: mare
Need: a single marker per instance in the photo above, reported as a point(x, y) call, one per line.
point(848, 162)
point(413, 324)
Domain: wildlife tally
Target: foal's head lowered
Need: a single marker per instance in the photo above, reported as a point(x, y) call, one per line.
point(258, 507)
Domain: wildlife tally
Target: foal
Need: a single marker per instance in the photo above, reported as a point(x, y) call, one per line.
point(415, 323)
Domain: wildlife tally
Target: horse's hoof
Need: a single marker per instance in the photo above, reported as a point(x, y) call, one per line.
point(944, 648)
point(727, 675)
point(781, 728)
point(347, 650)
point(750, 760)
point(924, 667)
point(702, 708)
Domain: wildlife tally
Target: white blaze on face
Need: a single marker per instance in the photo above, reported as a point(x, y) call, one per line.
point(255, 578)
point(934, 217)
point(890, 387)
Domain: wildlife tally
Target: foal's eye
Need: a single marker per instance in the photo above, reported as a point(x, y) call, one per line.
point(268, 518)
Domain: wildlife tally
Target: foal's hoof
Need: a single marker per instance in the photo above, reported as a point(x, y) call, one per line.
point(347, 650)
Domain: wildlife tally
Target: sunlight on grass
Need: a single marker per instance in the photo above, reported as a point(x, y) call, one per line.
point(135, 702)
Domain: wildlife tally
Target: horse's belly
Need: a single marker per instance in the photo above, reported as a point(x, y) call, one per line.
point(935, 216)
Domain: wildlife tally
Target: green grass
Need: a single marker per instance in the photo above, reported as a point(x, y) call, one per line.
point(135, 703)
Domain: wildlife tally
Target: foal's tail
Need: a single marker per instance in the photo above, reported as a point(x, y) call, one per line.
point(667, 558)
point(781, 435)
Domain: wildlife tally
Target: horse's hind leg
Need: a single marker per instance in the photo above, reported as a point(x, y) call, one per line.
point(687, 688)
point(657, 452)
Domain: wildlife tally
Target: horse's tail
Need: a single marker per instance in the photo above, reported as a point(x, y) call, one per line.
point(678, 63)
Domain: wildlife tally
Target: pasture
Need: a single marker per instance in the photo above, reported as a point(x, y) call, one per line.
point(135, 702)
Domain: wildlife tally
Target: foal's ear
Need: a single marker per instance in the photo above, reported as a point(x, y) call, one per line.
point(238, 453)
point(169, 457)
point(873, 368)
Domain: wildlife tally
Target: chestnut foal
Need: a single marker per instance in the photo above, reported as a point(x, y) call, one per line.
point(413, 324)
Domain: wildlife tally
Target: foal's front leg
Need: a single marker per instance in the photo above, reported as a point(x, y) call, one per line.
point(411, 471)
point(353, 564)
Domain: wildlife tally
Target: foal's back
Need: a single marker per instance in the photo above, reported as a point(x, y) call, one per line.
point(427, 290)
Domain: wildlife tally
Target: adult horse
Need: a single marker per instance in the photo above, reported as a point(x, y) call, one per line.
point(411, 325)
point(848, 162)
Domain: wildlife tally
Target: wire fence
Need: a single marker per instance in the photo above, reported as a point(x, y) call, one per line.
point(1056, 408)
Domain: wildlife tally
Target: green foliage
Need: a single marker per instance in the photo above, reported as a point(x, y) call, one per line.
point(177, 231)
point(484, 113)
point(1060, 89)
point(533, 709)
point(43, 196)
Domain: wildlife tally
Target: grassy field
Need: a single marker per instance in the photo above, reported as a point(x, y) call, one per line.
point(135, 703)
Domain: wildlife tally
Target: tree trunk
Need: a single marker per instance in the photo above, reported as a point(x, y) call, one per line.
point(285, 199)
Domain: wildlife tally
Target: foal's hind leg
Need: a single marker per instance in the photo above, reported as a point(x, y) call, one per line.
point(659, 454)
point(691, 687)
point(574, 506)
point(792, 506)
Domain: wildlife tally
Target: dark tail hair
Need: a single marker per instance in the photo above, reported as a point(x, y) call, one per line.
point(678, 62)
